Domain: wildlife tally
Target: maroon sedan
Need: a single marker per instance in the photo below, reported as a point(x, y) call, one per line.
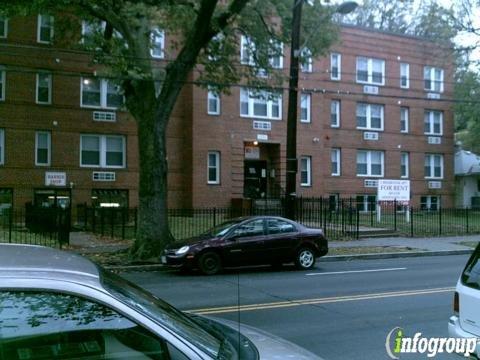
point(249, 241)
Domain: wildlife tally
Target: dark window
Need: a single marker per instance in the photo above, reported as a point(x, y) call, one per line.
point(110, 198)
point(276, 226)
point(38, 325)
point(252, 228)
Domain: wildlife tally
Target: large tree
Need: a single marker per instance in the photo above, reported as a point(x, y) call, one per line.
point(204, 37)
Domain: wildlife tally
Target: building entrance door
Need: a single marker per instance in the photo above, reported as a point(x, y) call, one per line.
point(255, 179)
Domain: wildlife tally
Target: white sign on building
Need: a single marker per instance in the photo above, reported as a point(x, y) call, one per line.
point(391, 190)
point(55, 179)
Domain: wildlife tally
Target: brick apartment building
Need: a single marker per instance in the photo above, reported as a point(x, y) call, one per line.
point(368, 110)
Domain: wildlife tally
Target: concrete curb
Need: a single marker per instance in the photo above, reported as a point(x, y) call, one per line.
point(395, 255)
point(160, 267)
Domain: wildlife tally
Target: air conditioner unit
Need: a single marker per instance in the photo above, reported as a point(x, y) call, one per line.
point(368, 183)
point(434, 140)
point(434, 184)
point(368, 89)
point(103, 176)
point(434, 96)
point(262, 125)
point(367, 135)
point(104, 116)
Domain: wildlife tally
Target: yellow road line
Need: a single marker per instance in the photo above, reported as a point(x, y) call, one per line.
point(326, 300)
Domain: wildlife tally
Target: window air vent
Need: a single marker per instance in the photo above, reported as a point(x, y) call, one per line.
point(103, 176)
point(104, 116)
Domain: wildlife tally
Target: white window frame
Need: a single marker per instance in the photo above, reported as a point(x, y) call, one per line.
point(3, 78)
point(307, 160)
point(369, 163)
point(337, 104)
point(279, 47)
point(4, 33)
point(428, 203)
point(429, 74)
point(431, 165)
point(247, 93)
point(306, 65)
point(49, 147)
point(247, 51)
point(37, 88)
point(405, 156)
point(336, 153)
point(103, 151)
point(39, 27)
point(2, 146)
point(103, 94)
point(404, 110)
point(213, 96)
point(306, 99)
point(215, 166)
point(369, 117)
point(404, 73)
point(370, 71)
point(339, 63)
point(431, 122)
point(158, 40)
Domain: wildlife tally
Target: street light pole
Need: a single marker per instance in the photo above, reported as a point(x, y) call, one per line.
point(292, 163)
point(295, 51)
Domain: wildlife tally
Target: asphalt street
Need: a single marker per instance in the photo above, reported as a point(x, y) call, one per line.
point(339, 310)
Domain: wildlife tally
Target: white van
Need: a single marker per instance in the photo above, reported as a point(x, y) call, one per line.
point(465, 323)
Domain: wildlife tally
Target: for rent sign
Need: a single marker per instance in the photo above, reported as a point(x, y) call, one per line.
point(391, 190)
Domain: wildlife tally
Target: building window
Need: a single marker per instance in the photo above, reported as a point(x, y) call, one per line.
point(370, 163)
point(366, 203)
point(213, 167)
point(213, 103)
point(260, 104)
point(43, 146)
point(3, 27)
point(306, 63)
point(107, 151)
point(158, 43)
point(434, 166)
point(276, 54)
point(433, 121)
point(305, 108)
point(100, 93)
point(112, 198)
point(404, 76)
point(404, 114)
point(369, 116)
point(370, 71)
point(433, 78)
point(44, 88)
point(404, 164)
point(429, 202)
point(247, 51)
point(2, 84)
point(335, 159)
point(306, 171)
point(45, 29)
point(2, 146)
point(335, 113)
point(335, 66)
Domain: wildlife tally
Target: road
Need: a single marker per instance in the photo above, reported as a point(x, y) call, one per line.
point(339, 310)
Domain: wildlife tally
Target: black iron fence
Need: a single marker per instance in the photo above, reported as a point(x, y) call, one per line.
point(35, 226)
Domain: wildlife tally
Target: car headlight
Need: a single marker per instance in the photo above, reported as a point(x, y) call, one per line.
point(182, 250)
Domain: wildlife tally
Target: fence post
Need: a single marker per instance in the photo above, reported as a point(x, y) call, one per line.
point(440, 220)
point(10, 224)
point(214, 216)
point(411, 220)
point(395, 214)
point(135, 221)
point(102, 221)
point(466, 217)
point(358, 222)
point(112, 220)
point(123, 222)
point(85, 217)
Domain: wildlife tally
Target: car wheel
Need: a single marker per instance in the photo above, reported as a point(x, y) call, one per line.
point(209, 263)
point(305, 259)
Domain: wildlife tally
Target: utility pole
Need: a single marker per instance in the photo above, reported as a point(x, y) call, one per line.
point(292, 162)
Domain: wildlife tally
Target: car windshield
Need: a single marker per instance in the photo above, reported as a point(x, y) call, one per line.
point(471, 274)
point(165, 314)
point(223, 228)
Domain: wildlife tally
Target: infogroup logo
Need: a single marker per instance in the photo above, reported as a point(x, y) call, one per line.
point(397, 343)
